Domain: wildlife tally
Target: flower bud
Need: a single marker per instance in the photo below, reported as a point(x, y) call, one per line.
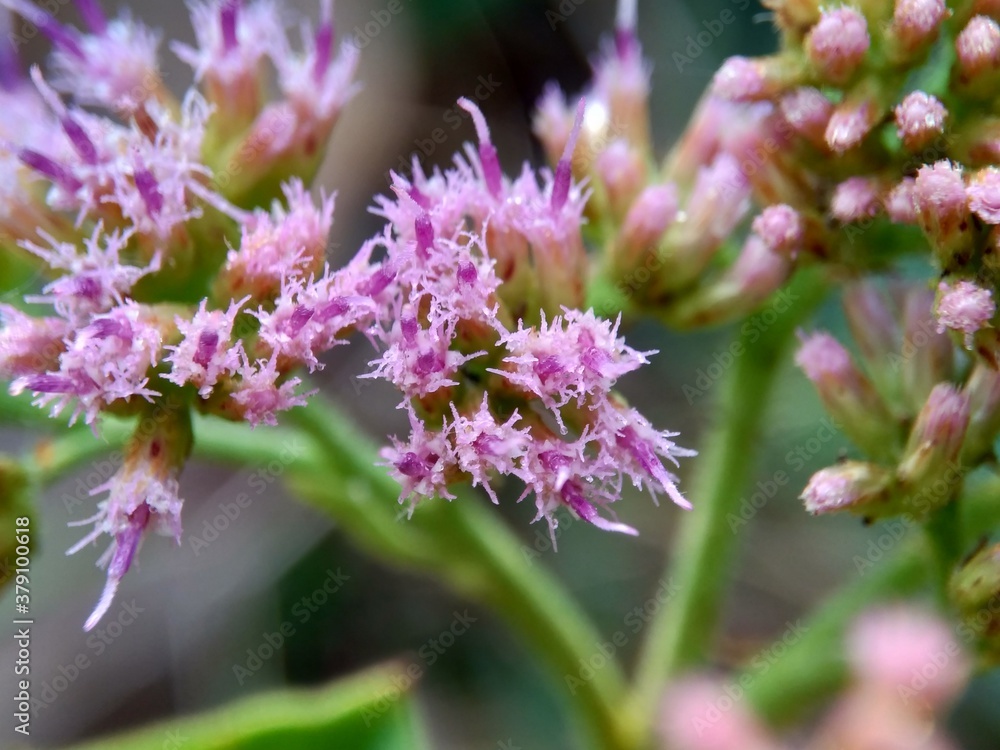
point(874, 327)
point(934, 446)
point(781, 228)
point(964, 307)
point(848, 394)
point(838, 43)
point(942, 207)
point(850, 485)
point(919, 120)
point(855, 199)
point(808, 112)
point(900, 202)
point(850, 122)
point(691, 719)
point(653, 211)
point(927, 356)
point(975, 591)
point(622, 172)
point(984, 195)
point(915, 25)
point(978, 50)
point(749, 79)
point(983, 391)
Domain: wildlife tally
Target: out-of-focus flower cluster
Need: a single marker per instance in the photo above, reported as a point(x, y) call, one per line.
point(906, 668)
point(178, 242)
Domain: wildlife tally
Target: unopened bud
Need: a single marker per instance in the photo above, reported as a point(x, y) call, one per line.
point(622, 172)
point(935, 443)
point(850, 485)
point(838, 43)
point(964, 307)
point(848, 395)
point(919, 120)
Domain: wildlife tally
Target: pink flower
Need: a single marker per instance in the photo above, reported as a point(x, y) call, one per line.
point(105, 362)
point(29, 345)
point(576, 356)
point(964, 307)
point(984, 195)
point(484, 447)
point(855, 199)
point(919, 119)
point(262, 392)
point(206, 352)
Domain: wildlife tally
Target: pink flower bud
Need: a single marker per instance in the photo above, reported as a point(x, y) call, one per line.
point(847, 394)
point(984, 195)
point(808, 111)
point(850, 122)
point(915, 23)
point(653, 211)
point(837, 44)
point(698, 714)
point(741, 79)
point(919, 120)
point(900, 202)
point(849, 485)
point(940, 198)
point(781, 229)
point(964, 307)
point(978, 48)
point(983, 391)
point(622, 171)
point(855, 199)
point(933, 448)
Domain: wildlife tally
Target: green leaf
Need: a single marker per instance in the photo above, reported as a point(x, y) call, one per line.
point(368, 711)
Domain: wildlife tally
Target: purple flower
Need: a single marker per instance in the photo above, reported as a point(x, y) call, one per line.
point(206, 353)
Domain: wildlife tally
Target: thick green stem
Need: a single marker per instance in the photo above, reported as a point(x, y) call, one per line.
point(681, 634)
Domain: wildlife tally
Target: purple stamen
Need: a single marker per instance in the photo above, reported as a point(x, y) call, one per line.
point(300, 316)
point(410, 465)
point(377, 282)
point(49, 384)
point(51, 169)
point(207, 343)
point(146, 184)
point(429, 362)
point(425, 234)
point(547, 367)
point(80, 140)
point(324, 41)
point(467, 273)
point(487, 152)
point(564, 169)
point(227, 19)
point(333, 308)
point(92, 15)
point(408, 326)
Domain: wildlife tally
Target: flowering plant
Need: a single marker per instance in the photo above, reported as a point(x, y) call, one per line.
point(171, 292)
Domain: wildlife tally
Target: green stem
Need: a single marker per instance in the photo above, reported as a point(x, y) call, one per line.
point(681, 634)
point(477, 555)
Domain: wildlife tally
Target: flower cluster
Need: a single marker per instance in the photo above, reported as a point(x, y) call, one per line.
point(478, 323)
point(907, 667)
point(187, 270)
point(184, 258)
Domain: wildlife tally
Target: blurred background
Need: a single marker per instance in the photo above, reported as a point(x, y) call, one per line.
point(186, 617)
